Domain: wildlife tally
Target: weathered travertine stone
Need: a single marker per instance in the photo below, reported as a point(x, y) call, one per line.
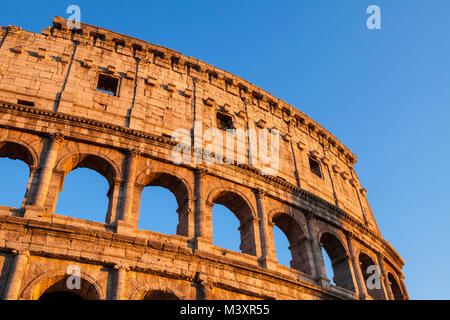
point(101, 100)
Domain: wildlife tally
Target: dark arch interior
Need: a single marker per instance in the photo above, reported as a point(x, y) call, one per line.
point(239, 207)
point(396, 291)
point(16, 151)
point(60, 291)
point(160, 295)
point(366, 262)
point(297, 241)
point(333, 247)
point(60, 296)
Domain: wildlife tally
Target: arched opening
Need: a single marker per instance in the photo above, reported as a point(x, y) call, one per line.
point(60, 296)
point(241, 210)
point(282, 251)
point(160, 295)
point(298, 244)
point(84, 192)
point(56, 289)
point(84, 196)
point(164, 201)
point(15, 164)
point(158, 210)
point(395, 288)
point(372, 278)
point(224, 221)
point(328, 266)
point(339, 260)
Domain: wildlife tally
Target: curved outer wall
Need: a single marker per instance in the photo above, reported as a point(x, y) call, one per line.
point(53, 118)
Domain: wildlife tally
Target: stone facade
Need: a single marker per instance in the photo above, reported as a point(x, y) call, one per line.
point(56, 116)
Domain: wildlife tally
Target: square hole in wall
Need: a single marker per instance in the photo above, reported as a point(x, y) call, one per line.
point(314, 165)
point(107, 84)
point(224, 121)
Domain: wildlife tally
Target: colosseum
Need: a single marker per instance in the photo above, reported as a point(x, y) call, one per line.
point(96, 99)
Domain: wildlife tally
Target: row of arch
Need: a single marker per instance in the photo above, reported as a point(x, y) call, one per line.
point(52, 286)
point(291, 224)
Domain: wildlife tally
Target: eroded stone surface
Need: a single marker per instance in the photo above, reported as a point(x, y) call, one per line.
point(54, 119)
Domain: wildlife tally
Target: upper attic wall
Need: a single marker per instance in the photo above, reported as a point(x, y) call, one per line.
point(193, 67)
point(160, 90)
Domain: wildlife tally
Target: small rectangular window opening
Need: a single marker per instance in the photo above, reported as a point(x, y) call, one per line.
point(107, 84)
point(314, 165)
point(25, 103)
point(225, 122)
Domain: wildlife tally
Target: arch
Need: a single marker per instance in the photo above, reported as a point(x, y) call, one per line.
point(99, 163)
point(241, 207)
point(60, 296)
point(219, 193)
point(18, 150)
point(178, 186)
point(160, 295)
point(336, 251)
point(395, 287)
point(153, 291)
point(366, 262)
point(55, 281)
point(298, 239)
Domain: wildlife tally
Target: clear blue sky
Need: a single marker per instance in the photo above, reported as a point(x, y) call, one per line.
point(384, 93)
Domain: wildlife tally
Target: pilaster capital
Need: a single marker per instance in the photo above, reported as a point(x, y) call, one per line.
point(21, 252)
point(209, 204)
point(349, 234)
point(260, 193)
point(117, 181)
point(133, 153)
point(56, 137)
point(201, 172)
point(401, 276)
point(124, 267)
point(309, 214)
point(139, 186)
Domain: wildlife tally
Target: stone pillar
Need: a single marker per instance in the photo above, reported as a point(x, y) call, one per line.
point(204, 287)
point(357, 269)
point(267, 259)
point(15, 279)
point(113, 201)
point(125, 224)
point(26, 199)
point(186, 221)
point(388, 291)
point(120, 285)
point(319, 273)
point(401, 276)
point(47, 170)
point(203, 221)
point(207, 290)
